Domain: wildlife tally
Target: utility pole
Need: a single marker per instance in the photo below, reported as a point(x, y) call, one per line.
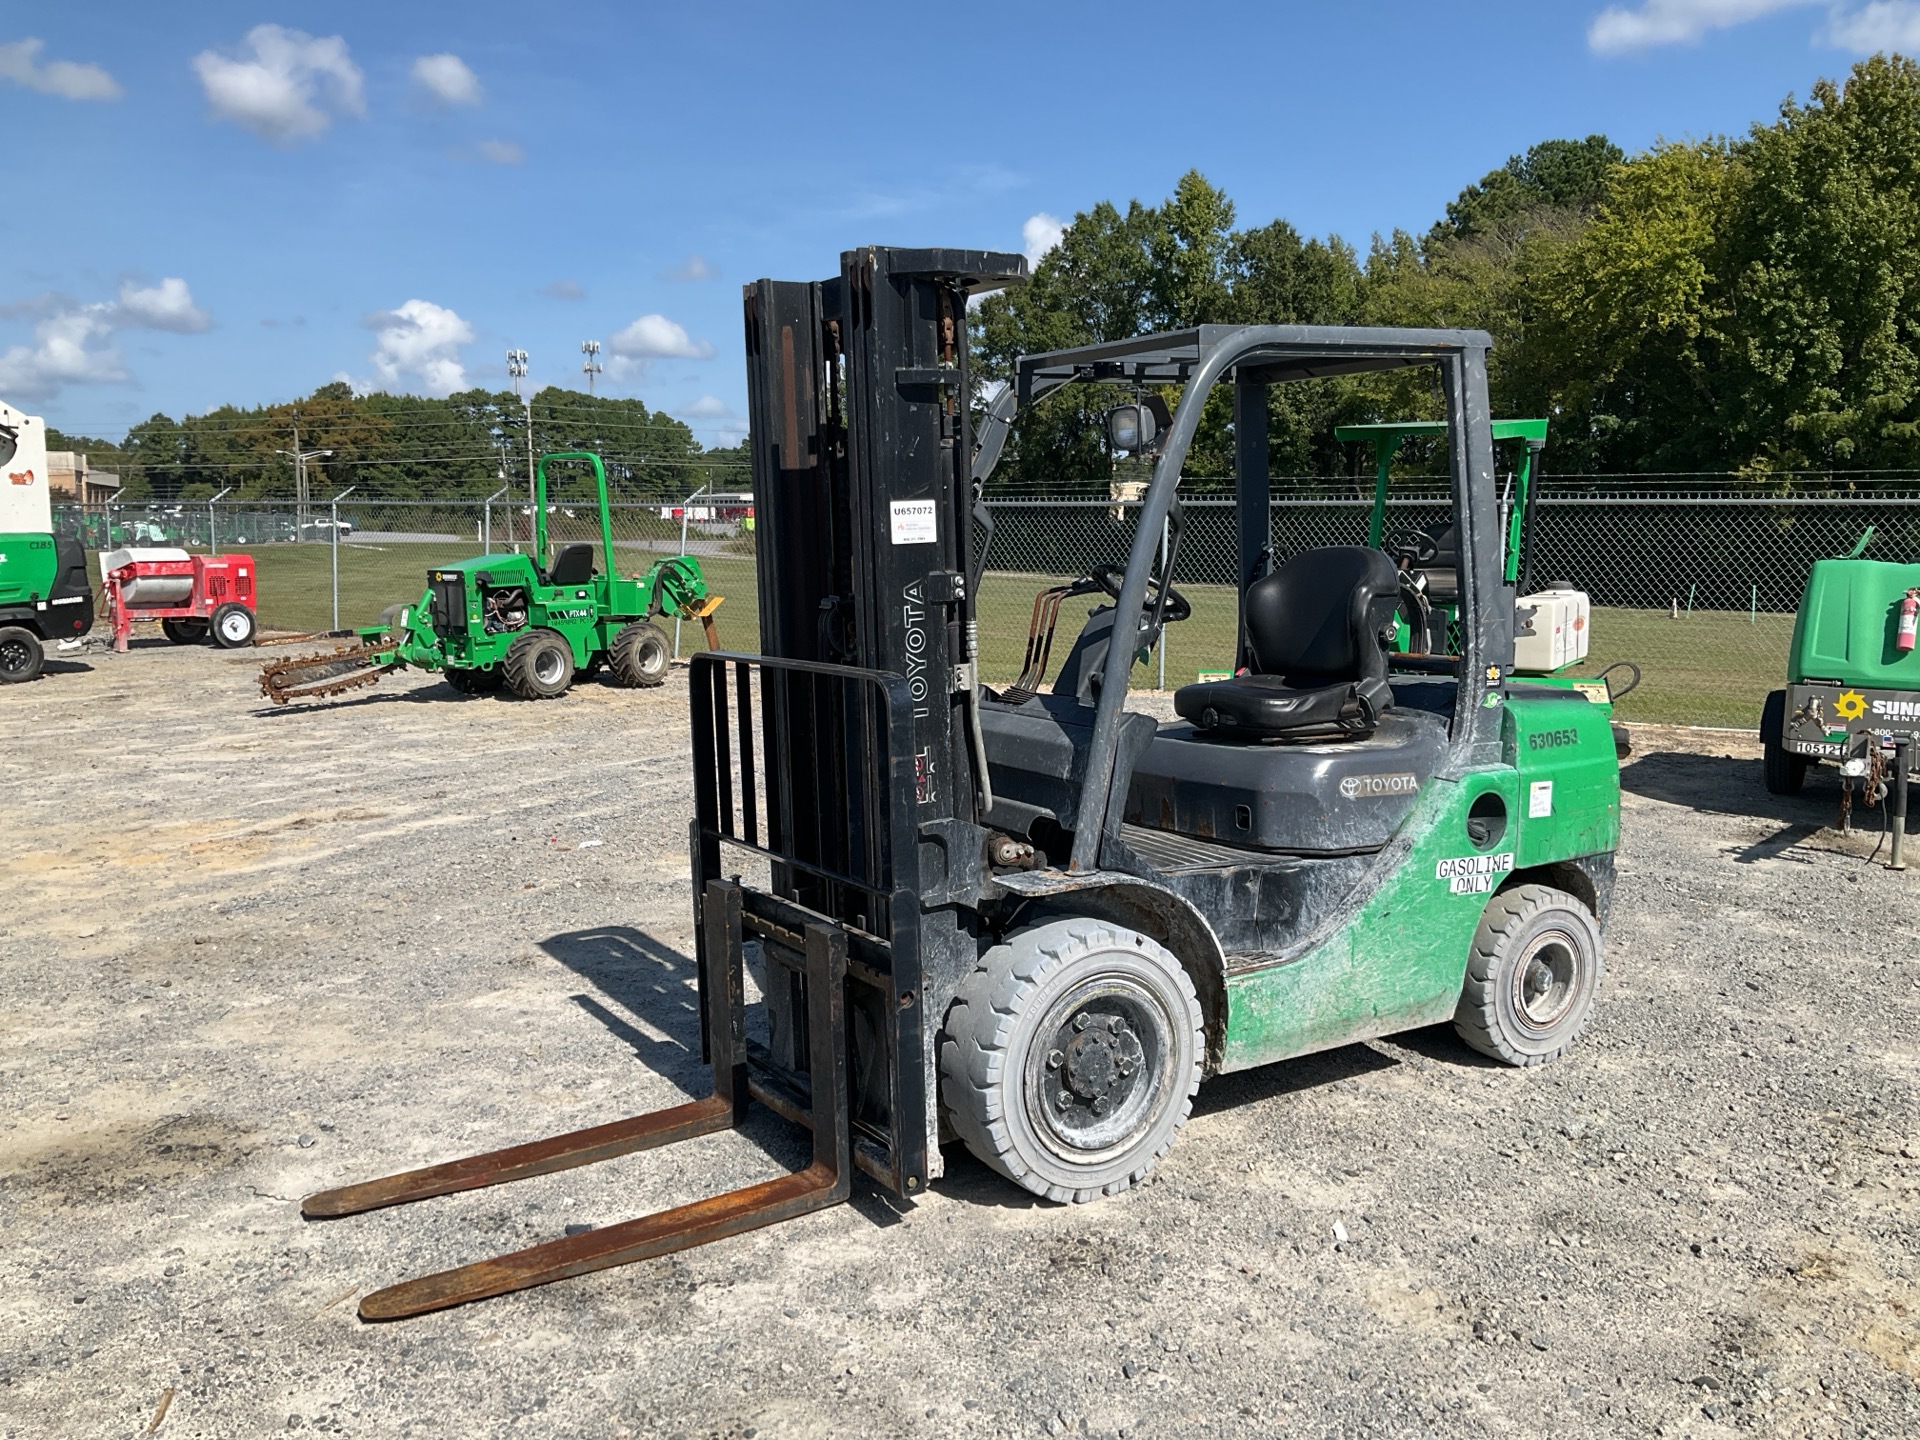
point(300, 458)
point(591, 366)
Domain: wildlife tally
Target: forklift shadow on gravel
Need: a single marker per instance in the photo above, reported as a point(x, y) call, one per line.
point(652, 982)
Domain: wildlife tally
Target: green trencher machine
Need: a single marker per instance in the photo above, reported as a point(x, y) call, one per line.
point(528, 623)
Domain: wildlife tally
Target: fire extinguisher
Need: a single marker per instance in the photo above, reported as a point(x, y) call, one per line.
point(1909, 620)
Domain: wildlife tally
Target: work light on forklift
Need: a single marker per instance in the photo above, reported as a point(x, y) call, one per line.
point(1130, 428)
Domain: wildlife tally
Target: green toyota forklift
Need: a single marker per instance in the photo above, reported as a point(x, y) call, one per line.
point(525, 622)
point(44, 592)
point(1035, 922)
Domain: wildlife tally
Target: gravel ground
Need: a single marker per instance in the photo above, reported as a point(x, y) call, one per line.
point(248, 954)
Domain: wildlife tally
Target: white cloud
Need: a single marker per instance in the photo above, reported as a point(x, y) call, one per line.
point(1039, 235)
point(20, 63)
point(1619, 31)
point(284, 85)
point(63, 353)
point(655, 337)
point(694, 267)
point(166, 306)
point(447, 80)
point(72, 342)
point(500, 152)
point(1883, 25)
point(707, 407)
point(421, 340)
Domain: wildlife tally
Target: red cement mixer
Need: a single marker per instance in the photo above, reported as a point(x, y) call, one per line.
point(192, 596)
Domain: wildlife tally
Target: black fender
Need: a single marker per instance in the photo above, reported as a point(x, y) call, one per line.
point(1139, 904)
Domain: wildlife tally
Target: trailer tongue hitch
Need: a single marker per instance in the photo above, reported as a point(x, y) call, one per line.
point(826, 1181)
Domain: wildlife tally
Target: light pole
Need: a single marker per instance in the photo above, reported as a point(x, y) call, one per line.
point(591, 366)
point(333, 508)
point(213, 535)
point(517, 368)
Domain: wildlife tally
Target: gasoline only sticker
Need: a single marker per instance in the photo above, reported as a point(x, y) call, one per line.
point(914, 522)
point(1539, 799)
point(1473, 874)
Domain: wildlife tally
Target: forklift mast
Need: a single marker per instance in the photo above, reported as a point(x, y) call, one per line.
point(869, 739)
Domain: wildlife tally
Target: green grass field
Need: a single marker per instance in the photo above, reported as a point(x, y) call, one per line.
point(1710, 668)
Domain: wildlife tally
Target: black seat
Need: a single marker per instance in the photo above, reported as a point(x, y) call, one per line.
point(1317, 632)
point(572, 566)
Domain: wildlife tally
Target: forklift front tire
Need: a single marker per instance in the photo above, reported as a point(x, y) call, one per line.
point(232, 626)
point(1531, 976)
point(641, 654)
point(21, 657)
point(1070, 1058)
point(538, 665)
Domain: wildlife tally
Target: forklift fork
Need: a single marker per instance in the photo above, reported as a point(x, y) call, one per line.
point(825, 1182)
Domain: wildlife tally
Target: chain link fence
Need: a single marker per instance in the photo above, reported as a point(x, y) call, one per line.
point(1696, 582)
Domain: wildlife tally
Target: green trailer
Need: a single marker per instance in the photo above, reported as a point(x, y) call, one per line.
point(529, 623)
point(1852, 697)
point(44, 591)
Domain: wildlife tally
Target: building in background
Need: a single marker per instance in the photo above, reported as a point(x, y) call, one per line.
point(69, 477)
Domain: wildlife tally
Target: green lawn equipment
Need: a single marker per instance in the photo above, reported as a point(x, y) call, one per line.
point(44, 590)
point(1852, 696)
point(1552, 626)
point(1034, 923)
point(515, 620)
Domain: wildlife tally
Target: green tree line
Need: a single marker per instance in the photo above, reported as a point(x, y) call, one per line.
point(1746, 305)
point(405, 447)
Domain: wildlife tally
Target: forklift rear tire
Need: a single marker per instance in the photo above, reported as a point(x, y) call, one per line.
point(21, 658)
point(232, 626)
point(641, 654)
point(1783, 771)
point(538, 665)
point(1070, 1057)
point(1531, 976)
point(184, 632)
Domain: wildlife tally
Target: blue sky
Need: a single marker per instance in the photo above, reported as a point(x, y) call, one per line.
point(237, 202)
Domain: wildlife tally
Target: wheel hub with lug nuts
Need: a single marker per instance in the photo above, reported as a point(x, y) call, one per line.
point(1546, 982)
point(1093, 1068)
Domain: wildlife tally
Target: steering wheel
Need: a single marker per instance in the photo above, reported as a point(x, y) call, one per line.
point(1416, 547)
point(1107, 579)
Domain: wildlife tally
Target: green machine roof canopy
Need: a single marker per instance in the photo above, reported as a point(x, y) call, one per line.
point(1385, 438)
point(1394, 431)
